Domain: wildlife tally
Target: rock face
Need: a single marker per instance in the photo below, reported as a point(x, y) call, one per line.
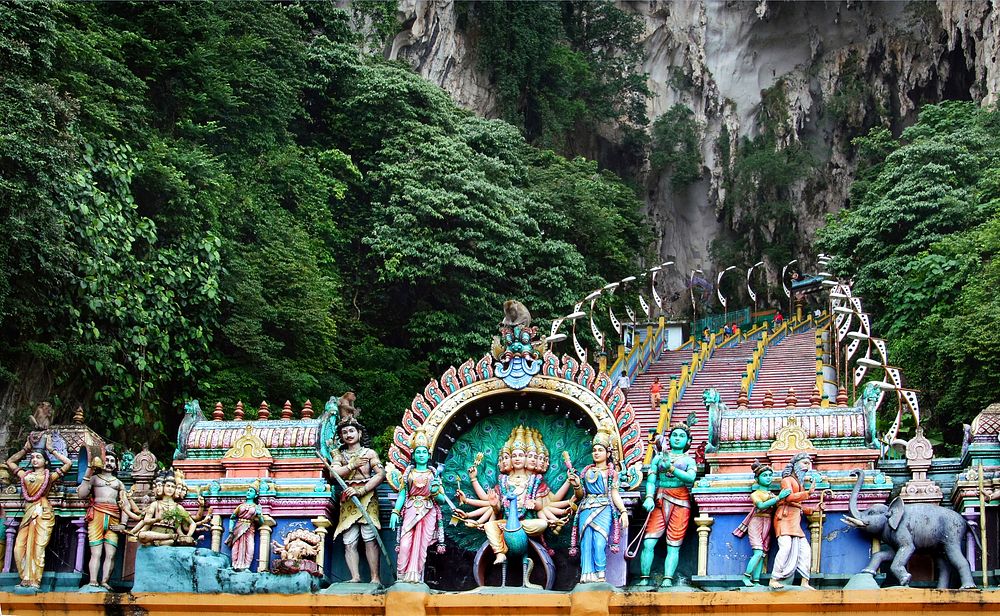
point(843, 66)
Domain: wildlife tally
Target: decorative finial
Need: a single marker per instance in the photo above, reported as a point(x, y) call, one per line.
point(286, 411)
point(264, 411)
point(791, 401)
point(768, 401)
point(218, 414)
point(238, 415)
point(742, 401)
point(815, 399)
point(78, 414)
point(842, 396)
point(307, 410)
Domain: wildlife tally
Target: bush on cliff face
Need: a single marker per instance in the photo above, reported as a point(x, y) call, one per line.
point(200, 200)
point(559, 67)
point(921, 240)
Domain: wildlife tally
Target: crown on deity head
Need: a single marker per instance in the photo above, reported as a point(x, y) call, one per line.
point(420, 438)
point(605, 436)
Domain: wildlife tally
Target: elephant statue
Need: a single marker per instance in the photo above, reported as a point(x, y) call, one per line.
point(903, 529)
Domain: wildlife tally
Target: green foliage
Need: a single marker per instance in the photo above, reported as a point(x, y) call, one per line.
point(758, 203)
point(560, 67)
point(204, 201)
point(921, 241)
point(676, 140)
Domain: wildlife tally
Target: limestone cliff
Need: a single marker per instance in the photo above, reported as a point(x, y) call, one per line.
point(843, 66)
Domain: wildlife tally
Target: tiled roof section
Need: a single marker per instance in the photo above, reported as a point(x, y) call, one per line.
point(276, 434)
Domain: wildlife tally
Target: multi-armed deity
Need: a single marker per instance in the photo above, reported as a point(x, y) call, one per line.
point(522, 463)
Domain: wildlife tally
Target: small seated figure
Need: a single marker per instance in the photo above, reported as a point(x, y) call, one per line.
point(299, 553)
point(166, 523)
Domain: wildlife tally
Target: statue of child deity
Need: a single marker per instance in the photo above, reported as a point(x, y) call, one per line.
point(757, 525)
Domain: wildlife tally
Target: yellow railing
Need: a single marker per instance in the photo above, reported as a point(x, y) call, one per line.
point(639, 352)
point(678, 385)
point(822, 324)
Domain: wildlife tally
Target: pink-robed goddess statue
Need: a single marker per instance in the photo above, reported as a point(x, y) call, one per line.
point(416, 517)
point(242, 529)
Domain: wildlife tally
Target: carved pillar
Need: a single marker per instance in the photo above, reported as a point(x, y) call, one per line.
point(264, 553)
point(8, 552)
point(216, 533)
point(972, 516)
point(704, 523)
point(321, 524)
point(816, 539)
point(81, 542)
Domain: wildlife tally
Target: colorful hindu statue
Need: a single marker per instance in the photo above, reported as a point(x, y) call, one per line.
point(35, 531)
point(416, 517)
point(757, 525)
point(165, 522)
point(794, 553)
point(537, 506)
point(243, 528)
point(361, 471)
point(109, 502)
point(601, 514)
point(668, 500)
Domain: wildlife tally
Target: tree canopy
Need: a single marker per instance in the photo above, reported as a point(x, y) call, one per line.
point(920, 241)
point(205, 201)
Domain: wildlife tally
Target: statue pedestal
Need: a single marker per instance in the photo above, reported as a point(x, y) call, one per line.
point(199, 570)
point(862, 581)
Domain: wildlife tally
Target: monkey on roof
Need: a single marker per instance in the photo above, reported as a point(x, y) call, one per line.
point(346, 406)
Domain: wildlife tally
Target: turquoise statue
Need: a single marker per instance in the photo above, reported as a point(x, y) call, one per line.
point(756, 526)
point(668, 500)
point(416, 517)
point(601, 515)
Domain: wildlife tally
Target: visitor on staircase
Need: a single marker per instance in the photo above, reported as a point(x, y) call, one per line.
point(654, 393)
point(623, 384)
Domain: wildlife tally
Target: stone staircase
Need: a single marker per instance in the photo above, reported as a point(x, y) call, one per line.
point(668, 367)
point(789, 363)
point(722, 371)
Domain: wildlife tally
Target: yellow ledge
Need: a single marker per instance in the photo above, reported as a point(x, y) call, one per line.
point(890, 602)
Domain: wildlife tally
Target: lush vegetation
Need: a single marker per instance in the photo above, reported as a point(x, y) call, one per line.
point(675, 146)
point(201, 200)
point(759, 178)
point(562, 68)
point(921, 241)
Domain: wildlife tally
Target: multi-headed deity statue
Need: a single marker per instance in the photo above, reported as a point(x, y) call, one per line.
point(165, 522)
point(109, 503)
point(757, 524)
point(360, 471)
point(601, 515)
point(416, 517)
point(35, 531)
point(243, 528)
point(522, 463)
point(668, 500)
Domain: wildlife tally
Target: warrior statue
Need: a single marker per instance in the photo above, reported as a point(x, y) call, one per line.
point(668, 501)
point(108, 501)
point(361, 471)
